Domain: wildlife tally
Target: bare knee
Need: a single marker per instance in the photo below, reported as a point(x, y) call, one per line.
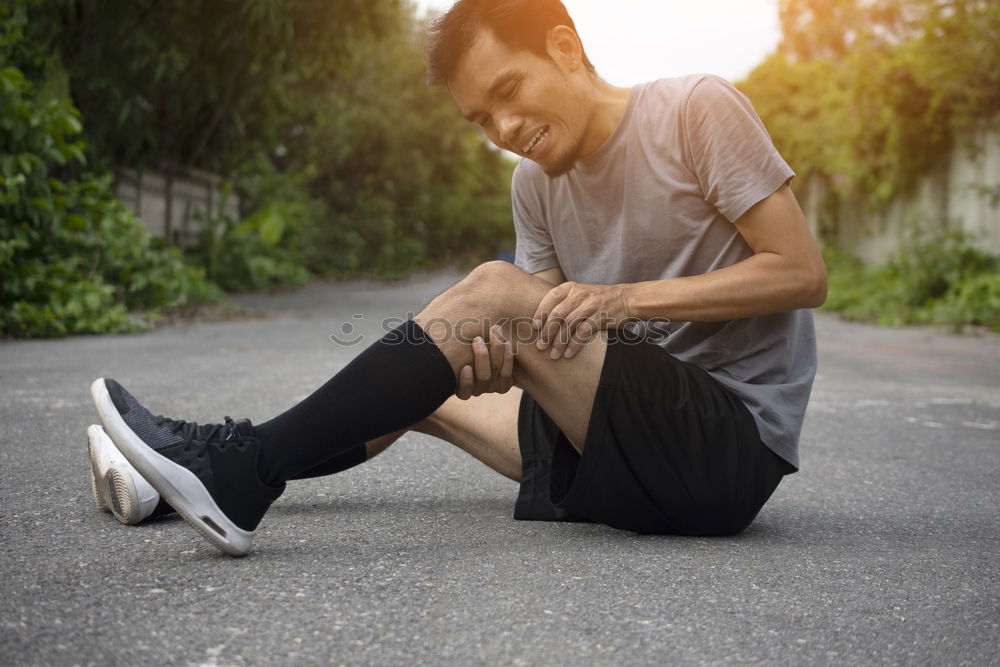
point(494, 290)
point(494, 275)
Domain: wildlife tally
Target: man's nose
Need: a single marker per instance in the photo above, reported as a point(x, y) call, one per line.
point(508, 127)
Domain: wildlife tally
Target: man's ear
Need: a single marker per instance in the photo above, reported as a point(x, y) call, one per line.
point(564, 47)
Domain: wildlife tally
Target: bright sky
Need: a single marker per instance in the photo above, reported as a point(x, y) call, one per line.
point(631, 41)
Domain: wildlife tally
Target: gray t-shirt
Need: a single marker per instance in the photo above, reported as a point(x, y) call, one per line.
point(657, 200)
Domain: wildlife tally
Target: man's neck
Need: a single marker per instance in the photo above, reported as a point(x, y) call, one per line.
point(610, 103)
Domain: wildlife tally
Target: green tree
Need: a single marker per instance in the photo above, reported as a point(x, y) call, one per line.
point(406, 179)
point(72, 259)
point(203, 82)
point(872, 93)
point(316, 109)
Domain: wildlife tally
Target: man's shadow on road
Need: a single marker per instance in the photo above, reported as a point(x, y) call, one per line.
point(787, 527)
point(488, 519)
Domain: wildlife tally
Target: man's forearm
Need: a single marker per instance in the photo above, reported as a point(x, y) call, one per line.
point(762, 284)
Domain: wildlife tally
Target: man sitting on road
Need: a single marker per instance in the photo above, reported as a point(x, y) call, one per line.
point(645, 363)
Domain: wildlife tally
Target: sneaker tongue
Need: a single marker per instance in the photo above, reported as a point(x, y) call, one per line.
point(240, 429)
point(228, 430)
point(243, 428)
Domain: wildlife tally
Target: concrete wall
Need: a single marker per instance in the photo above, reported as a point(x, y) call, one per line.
point(173, 205)
point(962, 192)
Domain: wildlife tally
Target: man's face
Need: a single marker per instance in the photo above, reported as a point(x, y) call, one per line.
point(525, 103)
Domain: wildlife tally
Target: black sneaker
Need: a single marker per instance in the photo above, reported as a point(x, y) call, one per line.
point(208, 473)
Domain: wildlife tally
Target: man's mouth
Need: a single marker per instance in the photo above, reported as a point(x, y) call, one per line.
point(530, 146)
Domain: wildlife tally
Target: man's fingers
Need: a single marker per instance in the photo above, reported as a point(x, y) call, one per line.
point(550, 331)
point(542, 310)
point(561, 321)
point(492, 367)
point(583, 332)
point(507, 368)
point(465, 381)
point(542, 313)
point(481, 360)
point(496, 350)
point(567, 331)
point(565, 319)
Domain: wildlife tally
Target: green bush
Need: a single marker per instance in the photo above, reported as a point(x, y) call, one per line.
point(976, 300)
point(247, 256)
point(73, 260)
point(407, 182)
point(940, 279)
point(316, 110)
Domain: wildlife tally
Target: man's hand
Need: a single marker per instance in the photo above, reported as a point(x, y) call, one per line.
point(571, 313)
point(492, 368)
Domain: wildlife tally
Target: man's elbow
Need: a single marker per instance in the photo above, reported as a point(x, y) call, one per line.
point(815, 286)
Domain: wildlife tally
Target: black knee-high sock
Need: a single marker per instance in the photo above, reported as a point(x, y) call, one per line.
point(396, 382)
point(344, 460)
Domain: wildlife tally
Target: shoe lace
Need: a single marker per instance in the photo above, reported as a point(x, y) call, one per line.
point(203, 435)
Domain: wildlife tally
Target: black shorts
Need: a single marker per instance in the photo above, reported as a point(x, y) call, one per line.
point(668, 450)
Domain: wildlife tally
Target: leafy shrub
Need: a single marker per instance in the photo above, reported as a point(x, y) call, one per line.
point(976, 300)
point(318, 110)
point(941, 279)
point(73, 260)
point(247, 256)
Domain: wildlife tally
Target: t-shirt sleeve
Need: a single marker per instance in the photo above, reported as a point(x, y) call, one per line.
point(732, 155)
point(534, 250)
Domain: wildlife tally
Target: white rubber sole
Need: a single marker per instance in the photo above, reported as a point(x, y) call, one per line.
point(118, 487)
point(176, 484)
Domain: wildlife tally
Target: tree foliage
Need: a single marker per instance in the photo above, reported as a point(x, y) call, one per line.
point(405, 178)
point(202, 82)
point(317, 110)
point(872, 93)
point(72, 258)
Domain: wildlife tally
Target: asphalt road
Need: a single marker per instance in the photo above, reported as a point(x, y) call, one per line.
point(883, 549)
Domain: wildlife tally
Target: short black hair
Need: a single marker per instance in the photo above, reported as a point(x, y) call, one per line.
point(518, 23)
